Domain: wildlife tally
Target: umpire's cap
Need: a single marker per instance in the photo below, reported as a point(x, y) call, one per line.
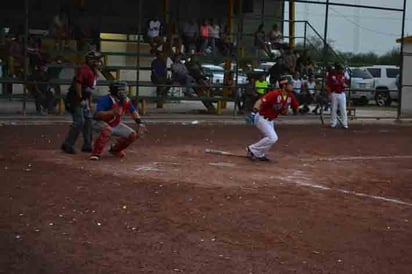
point(92, 55)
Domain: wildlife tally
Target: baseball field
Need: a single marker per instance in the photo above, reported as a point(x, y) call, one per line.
point(330, 201)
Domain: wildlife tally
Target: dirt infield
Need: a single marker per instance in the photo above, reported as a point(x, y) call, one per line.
point(331, 201)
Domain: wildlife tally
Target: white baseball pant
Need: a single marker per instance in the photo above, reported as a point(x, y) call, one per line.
point(338, 102)
point(267, 128)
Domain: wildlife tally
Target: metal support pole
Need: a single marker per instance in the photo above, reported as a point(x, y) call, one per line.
point(304, 34)
point(401, 65)
point(238, 38)
point(26, 63)
point(166, 13)
point(262, 13)
point(292, 23)
point(325, 35)
point(139, 31)
point(228, 59)
point(325, 55)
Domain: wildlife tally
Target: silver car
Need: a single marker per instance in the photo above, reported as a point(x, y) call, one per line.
point(217, 73)
point(362, 86)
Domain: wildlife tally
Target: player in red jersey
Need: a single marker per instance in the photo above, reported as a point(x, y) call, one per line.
point(266, 109)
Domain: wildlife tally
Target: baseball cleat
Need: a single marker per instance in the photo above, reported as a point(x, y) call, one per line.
point(94, 158)
point(118, 154)
point(263, 159)
point(250, 155)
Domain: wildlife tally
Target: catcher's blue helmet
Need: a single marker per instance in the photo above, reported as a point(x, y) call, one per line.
point(117, 87)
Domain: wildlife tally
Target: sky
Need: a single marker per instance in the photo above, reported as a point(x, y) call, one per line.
point(356, 30)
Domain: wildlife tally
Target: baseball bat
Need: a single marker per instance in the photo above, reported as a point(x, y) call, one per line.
point(221, 152)
point(218, 152)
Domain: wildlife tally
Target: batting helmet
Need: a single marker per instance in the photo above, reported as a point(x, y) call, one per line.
point(285, 80)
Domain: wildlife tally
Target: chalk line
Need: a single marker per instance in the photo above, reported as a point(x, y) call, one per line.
point(355, 158)
point(297, 180)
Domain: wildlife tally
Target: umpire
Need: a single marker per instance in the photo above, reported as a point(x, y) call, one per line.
point(78, 103)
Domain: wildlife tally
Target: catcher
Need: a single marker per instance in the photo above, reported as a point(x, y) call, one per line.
point(107, 121)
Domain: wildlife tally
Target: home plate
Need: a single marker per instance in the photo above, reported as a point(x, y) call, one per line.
point(222, 164)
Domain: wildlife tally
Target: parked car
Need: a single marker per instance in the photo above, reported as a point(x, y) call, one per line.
point(216, 74)
point(362, 88)
point(386, 90)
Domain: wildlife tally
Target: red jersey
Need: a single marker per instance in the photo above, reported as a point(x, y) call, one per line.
point(124, 108)
point(337, 82)
point(87, 77)
point(274, 103)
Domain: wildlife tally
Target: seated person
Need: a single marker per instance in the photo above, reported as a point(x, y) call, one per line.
point(180, 74)
point(196, 71)
point(44, 98)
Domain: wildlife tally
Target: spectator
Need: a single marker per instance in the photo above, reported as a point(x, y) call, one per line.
point(214, 35)
point(204, 37)
point(190, 36)
point(291, 60)
point(196, 71)
point(159, 77)
point(309, 92)
point(154, 27)
point(261, 85)
point(260, 42)
point(40, 90)
point(276, 37)
point(180, 74)
point(203, 87)
point(297, 87)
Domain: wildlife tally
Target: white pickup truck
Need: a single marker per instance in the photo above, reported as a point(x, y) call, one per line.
point(386, 90)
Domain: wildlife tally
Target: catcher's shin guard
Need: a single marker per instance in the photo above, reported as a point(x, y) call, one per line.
point(102, 140)
point(124, 142)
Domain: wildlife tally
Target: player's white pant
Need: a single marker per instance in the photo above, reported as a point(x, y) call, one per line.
point(338, 102)
point(267, 128)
